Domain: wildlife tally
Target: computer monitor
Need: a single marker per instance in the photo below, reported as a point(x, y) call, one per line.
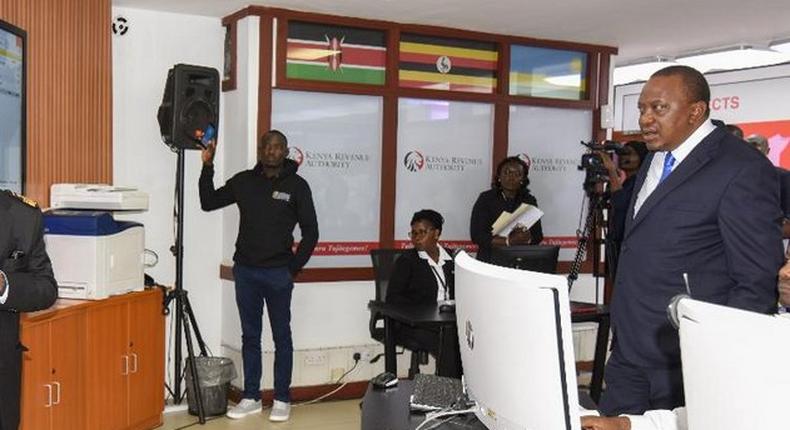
point(514, 330)
point(537, 258)
point(12, 107)
point(736, 367)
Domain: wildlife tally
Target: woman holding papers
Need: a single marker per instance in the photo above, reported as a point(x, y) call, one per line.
point(507, 213)
point(424, 276)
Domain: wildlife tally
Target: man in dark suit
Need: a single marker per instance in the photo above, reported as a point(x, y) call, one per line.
point(704, 216)
point(26, 284)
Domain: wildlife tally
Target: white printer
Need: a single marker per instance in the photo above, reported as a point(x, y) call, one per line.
point(97, 197)
point(93, 255)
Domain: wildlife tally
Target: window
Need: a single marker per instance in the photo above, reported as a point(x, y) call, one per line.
point(551, 73)
point(336, 139)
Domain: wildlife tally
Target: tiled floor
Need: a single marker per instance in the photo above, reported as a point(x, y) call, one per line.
point(336, 415)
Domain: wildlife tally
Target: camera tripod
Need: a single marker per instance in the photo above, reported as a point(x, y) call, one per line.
point(184, 317)
point(594, 222)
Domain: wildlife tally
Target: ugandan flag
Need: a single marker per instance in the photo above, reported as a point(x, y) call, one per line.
point(441, 63)
point(545, 72)
point(333, 53)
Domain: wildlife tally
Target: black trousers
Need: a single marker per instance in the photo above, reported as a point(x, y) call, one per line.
point(633, 390)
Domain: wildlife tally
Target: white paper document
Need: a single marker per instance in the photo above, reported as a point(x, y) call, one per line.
point(524, 215)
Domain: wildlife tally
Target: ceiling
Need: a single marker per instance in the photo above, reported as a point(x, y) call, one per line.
point(639, 28)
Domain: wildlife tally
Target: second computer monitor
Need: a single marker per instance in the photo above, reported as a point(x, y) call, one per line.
point(535, 258)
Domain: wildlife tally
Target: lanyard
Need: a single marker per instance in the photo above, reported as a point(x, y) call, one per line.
point(441, 281)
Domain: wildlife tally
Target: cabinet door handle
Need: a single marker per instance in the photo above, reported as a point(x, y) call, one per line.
point(49, 395)
point(57, 393)
point(125, 370)
point(134, 363)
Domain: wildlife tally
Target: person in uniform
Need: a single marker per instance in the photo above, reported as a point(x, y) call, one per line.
point(26, 284)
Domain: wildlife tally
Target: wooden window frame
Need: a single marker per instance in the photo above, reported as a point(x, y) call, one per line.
point(598, 57)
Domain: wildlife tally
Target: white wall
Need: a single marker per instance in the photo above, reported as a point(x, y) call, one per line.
point(141, 58)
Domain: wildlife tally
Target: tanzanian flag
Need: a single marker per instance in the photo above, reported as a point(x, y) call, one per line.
point(545, 72)
point(333, 53)
point(441, 63)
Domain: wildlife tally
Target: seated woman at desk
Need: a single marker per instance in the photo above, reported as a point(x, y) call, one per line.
point(507, 193)
point(424, 276)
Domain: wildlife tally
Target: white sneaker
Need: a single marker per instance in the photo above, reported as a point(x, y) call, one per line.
point(244, 408)
point(280, 411)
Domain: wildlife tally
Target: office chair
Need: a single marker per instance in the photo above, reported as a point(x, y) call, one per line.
point(383, 263)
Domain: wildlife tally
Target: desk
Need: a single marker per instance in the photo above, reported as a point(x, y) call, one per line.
point(430, 316)
point(389, 410)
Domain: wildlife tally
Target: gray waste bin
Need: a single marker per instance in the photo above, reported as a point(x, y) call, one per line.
point(214, 376)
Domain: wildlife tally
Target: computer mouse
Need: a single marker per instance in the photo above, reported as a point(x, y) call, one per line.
point(384, 380)
point(446, 307)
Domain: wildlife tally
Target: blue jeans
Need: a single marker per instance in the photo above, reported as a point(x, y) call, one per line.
point(254, 286)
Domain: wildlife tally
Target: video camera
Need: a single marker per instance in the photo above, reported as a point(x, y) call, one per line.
point(592, 163)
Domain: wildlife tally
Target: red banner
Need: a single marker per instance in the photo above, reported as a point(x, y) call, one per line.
point(343, 248)
point(363, 248)
point(562, 241)
point(465, 245)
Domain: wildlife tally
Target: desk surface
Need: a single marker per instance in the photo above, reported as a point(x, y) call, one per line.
point(389, 410)
point(580, 312)
point(411, 314)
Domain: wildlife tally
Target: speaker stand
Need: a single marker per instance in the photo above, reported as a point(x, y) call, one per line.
point(185, 318)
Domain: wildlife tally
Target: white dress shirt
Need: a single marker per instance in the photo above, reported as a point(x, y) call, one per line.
point(657, 165)
point(438, 272)
point(4, 297)
point(660, 419)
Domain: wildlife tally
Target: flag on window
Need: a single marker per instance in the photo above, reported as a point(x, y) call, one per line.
point(442, 63)
point(334, 53)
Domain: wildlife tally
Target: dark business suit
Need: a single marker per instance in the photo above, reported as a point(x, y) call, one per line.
point(716, 217)
point(31, 287)
point(413, 283)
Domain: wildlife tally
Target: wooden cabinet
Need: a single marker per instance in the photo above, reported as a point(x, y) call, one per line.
point(94, 364)
point(128, 354)
point(146, 349)
point(52, 389)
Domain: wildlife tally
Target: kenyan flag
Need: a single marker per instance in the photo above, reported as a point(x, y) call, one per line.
point(441, 63)
point(333, 53)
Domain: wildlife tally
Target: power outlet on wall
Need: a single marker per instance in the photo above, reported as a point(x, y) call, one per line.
point(315, 358)
point(337, 372)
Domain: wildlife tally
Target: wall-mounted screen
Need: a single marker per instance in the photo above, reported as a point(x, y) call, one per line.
point(12, 107)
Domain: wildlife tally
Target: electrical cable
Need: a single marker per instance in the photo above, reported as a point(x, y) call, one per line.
point(441, 414)
point(322, 397)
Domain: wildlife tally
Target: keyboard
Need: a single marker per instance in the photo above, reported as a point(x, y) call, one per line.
point(433, 393)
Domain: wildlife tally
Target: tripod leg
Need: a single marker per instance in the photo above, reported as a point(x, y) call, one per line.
point(193, 371)
point(193, 322)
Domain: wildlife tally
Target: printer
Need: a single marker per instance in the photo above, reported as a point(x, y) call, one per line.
point(97, 197)
point(93, 255)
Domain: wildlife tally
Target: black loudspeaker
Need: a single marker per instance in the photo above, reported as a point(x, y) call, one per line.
point(189, 106)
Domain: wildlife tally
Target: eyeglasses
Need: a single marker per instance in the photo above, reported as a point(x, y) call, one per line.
point(419, 233)
point(518, 173)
